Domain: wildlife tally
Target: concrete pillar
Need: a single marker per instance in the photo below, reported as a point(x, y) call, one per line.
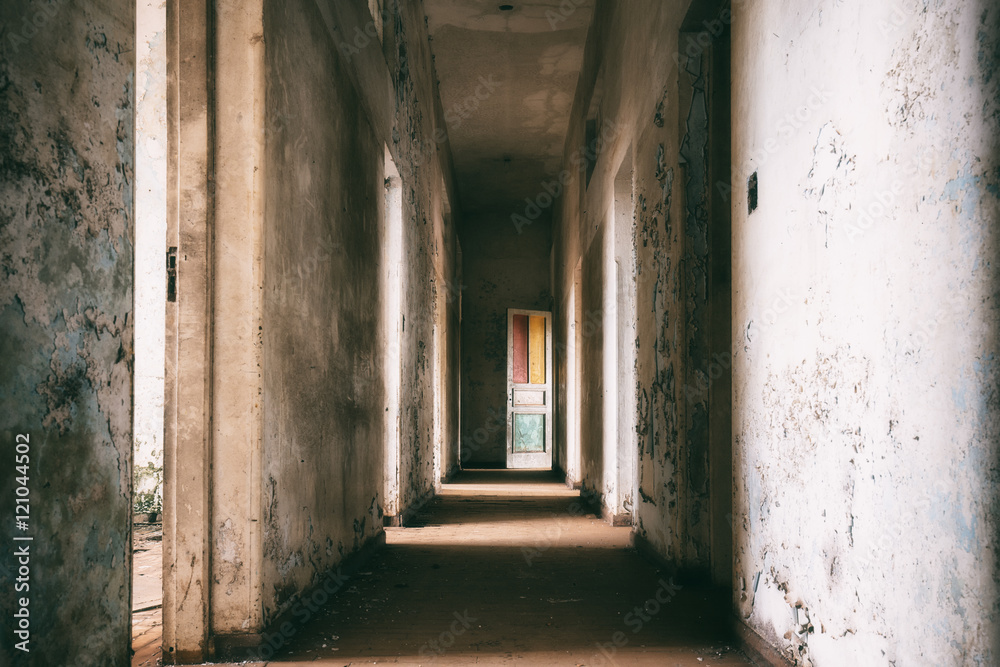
point(238, 282)
point(212, 544)
point(572, 316)
point(187, 404)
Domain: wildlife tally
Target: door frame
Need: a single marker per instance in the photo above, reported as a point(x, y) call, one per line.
point(539, 459)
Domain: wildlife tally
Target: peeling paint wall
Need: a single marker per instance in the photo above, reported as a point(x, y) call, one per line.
point(865, 329)
point(324, 394)
point(504, 267)
point(632, 88)
point(66, 230)
point(419, 141)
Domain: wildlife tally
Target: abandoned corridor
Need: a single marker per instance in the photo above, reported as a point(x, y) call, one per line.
point(506, 568)
point(731, 268)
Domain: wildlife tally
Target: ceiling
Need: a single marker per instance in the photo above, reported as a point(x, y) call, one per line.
point(507, 81)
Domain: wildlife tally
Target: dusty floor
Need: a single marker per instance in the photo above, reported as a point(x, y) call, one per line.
point(507, 569)
point(147, 594)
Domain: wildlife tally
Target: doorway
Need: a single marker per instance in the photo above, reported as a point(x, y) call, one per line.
point(152, 290)
point(529, 389)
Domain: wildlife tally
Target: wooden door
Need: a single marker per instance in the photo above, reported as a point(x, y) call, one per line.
point(529, 389)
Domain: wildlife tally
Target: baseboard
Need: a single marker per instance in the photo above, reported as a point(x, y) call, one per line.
point(260, 646)
point(757, 648)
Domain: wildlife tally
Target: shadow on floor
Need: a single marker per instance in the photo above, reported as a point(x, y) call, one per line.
point(485, 579)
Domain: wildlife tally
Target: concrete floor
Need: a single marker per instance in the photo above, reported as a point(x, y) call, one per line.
point(504, 568)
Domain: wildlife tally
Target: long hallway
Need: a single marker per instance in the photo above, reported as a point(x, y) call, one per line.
point(324, 284)
point(505, 568)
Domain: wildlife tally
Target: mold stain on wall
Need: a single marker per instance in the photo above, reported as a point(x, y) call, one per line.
point(66, 232)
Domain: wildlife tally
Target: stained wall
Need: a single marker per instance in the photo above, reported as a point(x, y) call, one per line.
point(865, 329)
point(67, 230)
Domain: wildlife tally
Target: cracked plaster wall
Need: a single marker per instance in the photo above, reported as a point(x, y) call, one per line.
point(865, 330)
point(66, 230)
point(630, 83)
point(323, 346)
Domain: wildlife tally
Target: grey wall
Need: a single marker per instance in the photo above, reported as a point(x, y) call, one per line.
point(501, 269)
point(322, 377)
point(865, 330)
point(327, 125)
point(66, 75)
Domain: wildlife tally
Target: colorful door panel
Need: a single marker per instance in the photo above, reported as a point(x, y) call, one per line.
point(529, 389)
point(529, 433)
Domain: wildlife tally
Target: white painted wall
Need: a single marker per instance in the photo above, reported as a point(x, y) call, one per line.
point(865, 329)
point(150, 243)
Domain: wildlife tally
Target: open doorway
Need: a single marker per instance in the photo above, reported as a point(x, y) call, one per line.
point(625, 342)
point(392, 331)
point(151, 293)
